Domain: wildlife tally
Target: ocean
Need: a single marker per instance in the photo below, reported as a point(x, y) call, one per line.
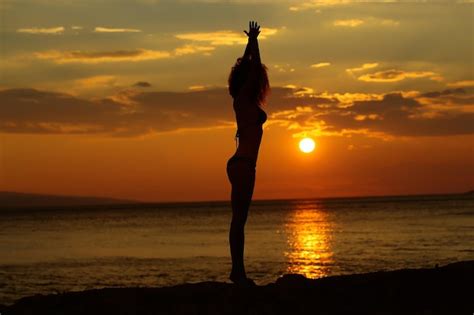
point(77, 248)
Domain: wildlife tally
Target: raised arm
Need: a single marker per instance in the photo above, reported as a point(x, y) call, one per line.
point(251, 51)
point(247, 51)
point(252, 56)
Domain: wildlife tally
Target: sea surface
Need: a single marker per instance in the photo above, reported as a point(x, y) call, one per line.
point(76, 248)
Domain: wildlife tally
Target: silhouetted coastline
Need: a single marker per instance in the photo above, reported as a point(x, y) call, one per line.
point(439, 290)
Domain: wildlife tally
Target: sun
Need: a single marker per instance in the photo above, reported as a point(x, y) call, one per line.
point(307, 145)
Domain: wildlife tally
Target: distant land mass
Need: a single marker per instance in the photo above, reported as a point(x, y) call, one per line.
point(14, 200)
point(10, 199)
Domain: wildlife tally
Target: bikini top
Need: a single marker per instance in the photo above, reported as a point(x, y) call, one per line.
point(262, 118)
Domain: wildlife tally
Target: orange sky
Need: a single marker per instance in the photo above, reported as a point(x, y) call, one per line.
point(95, 102)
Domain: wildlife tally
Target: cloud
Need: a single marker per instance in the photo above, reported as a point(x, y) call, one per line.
point(100, 29)
point(143, 84)
point(443, 93)
point(320, 65)
point(449, 100)
point(348, 23)
point(347, 99)
point(92, 57)
point(366, 21)
point(382, 115)
point(284, 68)
point(128, 114)
point(32, 111)
point(363, 67)
point(134, 112)
point(42, 31)
point(465, 83)
point(215, 38)
point(313, 4)
point(211, 40)
point(388, 22)
point(224, 38)
point(303, 5)
point(96, 81)
point(193, 49)
point(198, 87)
point(394, 75)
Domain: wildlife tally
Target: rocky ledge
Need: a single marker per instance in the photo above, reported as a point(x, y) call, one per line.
point(440, 290)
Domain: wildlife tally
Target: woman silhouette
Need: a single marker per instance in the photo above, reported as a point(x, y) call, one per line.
point(248, 86)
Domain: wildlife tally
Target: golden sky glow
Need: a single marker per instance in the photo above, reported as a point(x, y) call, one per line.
point(128, 99)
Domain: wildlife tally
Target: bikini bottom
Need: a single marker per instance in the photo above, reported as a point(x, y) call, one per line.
point(241, 169)
point(251, 162)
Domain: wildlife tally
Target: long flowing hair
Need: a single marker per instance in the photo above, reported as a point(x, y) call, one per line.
point(239, 74)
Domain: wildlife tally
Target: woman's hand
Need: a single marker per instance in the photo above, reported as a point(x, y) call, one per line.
point(254, 30)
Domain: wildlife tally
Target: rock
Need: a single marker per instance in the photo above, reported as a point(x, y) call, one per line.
point(442, 290)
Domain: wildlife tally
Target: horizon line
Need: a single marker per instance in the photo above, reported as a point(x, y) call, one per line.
point(135, 201)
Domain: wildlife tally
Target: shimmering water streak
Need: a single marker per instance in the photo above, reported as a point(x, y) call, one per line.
point(309, 241)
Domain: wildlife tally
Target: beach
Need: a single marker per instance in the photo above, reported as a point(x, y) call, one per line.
point(438, 290)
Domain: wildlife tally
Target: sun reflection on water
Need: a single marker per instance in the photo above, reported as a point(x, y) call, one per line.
point(309, 241)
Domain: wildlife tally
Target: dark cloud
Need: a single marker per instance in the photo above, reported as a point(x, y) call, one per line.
point(394, 75)
point(400, 116)
point(142, 84)
point(33, 111)
point(281, 98)
point(134, 113)
point(443, 93)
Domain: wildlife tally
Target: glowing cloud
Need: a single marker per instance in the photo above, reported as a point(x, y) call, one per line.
point(101, 56)
point(41, 31)
point(115, 30)
point(193, 49)
point(465, 83)
point(284, 68)
point(96, 81)
point(33, 111)
point(215, 38)
point(372, 21)
point(348, 23)
point(224, 38)
point(307, 5)
point(393, 75)
point(320, 65)
point(198, 87)
point(316, 4)
point(365, 66)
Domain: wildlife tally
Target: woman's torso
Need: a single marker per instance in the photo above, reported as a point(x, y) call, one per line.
point(250, 118)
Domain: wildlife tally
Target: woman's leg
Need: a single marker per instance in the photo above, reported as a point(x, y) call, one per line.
point(242, 178)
